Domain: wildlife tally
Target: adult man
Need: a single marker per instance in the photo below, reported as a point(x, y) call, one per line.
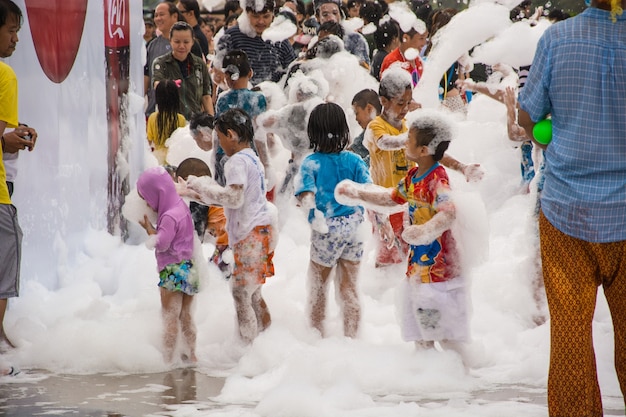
point(578, 76)
point(268, 60)
point(355, 43)
point(190, 10)
point(10, 232)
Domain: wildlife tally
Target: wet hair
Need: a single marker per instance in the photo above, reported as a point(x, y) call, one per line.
point(422, 9)
point(365, 97)
point(426, 135)
point(326, 47)
point(386, 33)
point(332, 28)
point(238, 121)
point(168, 105)
point(201, 120)
point(557, 15)
point(371, 12)
point(193, 166)
point(328, 129)
point(434, 130)
point(394, 83)
point(231, 17)
point(230, 7)
point(236, 64)
point(8, 8)
point(191, 6)
point(181, 26)
point(254, 6)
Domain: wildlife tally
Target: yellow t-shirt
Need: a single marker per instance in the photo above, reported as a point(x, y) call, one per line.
point(8, 114)
point(386, 167)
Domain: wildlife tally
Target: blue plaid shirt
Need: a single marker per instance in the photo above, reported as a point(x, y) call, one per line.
point(579, 77)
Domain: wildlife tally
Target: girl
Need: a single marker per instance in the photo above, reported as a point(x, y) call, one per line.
point(434, 306)
point(165, 120)
point(249, 218)
point(337, 244)
point(173, 243)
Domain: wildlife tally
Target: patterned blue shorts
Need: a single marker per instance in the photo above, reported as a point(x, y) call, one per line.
point(341, 241)
point(180, 277)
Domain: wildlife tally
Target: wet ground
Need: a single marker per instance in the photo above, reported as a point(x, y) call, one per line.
point(159, 394)
point(167, 394)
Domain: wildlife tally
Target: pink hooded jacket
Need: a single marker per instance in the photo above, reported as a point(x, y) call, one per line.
point(174, 227)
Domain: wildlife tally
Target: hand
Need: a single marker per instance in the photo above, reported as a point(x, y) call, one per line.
point(347, 188)
point(510, 99)
point(466, 85)
point(18, 140)
point(145, 223)
point(184, 191)
point(473, 172)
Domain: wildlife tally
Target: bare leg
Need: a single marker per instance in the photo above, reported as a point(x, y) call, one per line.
point(263, 318)
point(4, 340)
point(318, 283)
point(246, 316)
point(188, 327)
point(171, 305)
point(347, 273)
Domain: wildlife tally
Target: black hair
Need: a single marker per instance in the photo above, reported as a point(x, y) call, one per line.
point(193, 166)
point(425, 135)
point(230, 18)
point(389, 89)
point(236, 62)
point(201, 120)
point(238, 121)
point(439, 19)
point(230, 7)
point(181, 26)
point(332, 28)
point(328, 129)
point(386, 33)
point(268, 6)
point(365, 97)
point(8, 8)
point(557, 15)
point(191, 6)
point(371, 12)
point(422, 9)
point(168, 105)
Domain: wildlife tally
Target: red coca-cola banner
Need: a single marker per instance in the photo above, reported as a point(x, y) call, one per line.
point(57, 28)
point(116, 25)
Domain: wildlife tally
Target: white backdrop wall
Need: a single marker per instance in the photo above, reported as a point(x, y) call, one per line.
point(61, 187)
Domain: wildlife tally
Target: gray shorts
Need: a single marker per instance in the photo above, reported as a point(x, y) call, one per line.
point(341, 242)
point(10, 251)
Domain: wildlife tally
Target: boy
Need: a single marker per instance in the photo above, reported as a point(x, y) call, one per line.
point(385, 139)
point(249, 218)
point(434, 307)
point(367, 107)
point(413, 35)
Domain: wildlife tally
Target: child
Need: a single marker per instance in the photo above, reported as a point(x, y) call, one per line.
point(166, 120)
point(249, 218)
point(434, 307)
point(209, 219)
point(173, 244)
point(367, 107)
point(340, 246)
point(385, 139)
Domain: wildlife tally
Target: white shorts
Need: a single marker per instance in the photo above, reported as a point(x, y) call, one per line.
point(435, 311)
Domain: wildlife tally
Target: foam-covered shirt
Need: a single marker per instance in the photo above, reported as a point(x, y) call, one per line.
point(387, 167)
point(245, 168)
point(175, 231)
point(427, 195)
point(321, 172)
